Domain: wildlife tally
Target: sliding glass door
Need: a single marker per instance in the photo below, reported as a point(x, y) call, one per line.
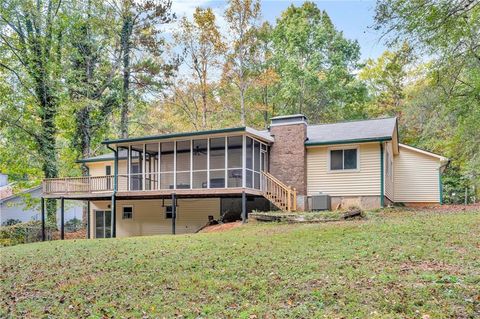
point(103, 224)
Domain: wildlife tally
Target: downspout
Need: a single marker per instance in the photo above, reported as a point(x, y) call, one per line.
point(115, 185)
point(440, 183)
point(382, 182)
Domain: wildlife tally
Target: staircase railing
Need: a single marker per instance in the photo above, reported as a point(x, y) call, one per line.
point(281, 195)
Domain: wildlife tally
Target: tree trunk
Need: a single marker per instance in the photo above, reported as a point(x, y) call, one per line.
point(242, 107)
point(126, 48)
point(47, 148)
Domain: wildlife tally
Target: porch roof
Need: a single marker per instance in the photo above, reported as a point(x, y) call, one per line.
point(262, 135)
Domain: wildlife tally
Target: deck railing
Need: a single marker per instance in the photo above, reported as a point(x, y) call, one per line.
point(72, 185)
point(281, 195)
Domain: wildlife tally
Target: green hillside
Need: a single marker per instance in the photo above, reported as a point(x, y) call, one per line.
point(393, 265)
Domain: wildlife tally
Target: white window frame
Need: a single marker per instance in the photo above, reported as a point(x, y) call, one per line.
point(342, 148)
point(123, 216)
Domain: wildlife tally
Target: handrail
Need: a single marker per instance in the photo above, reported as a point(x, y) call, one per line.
point(281, 195)
point(72, 185)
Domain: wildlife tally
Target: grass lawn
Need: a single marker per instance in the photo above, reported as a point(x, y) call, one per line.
point(393, 265)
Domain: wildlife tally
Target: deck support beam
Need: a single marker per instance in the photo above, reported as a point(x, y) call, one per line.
point(44, 237)
point(174, 213)
point(244, 207)
point(113, 209)
point(88, 219)
point(62, 218)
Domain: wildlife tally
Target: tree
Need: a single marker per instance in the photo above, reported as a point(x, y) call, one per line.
point(31, 34)
point(202, 46)
point(141, 48)
point(447, 31)
point(90, 75)
point(243, 18)
point(263, 92)
point(315, 64)
point(386, 78)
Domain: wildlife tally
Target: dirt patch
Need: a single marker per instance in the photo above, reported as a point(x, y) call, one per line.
point(220, 227)
point(457, 208)
point(433, 266)
point(79, 234)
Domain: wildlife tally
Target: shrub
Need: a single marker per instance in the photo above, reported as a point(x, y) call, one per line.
point(11, 221)
point(24, 233)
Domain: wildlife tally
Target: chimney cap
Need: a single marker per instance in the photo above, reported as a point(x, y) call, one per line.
point(288, 119)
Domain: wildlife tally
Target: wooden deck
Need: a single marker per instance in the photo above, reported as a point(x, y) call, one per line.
point(167, 193)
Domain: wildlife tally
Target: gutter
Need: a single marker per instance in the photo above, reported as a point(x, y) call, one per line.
point(382, 182)
point(174, 135)
point(358, 140)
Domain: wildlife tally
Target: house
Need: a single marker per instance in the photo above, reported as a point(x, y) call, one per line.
point(20, 207)
point(173, 183)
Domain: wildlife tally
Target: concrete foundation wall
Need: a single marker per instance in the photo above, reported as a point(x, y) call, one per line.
point(364, 202)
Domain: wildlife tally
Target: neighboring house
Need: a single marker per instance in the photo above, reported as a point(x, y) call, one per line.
point(172, 183)
point(16, 207)
point(5, 187)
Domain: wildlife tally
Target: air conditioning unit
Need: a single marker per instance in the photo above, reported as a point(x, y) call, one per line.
point(321, 202)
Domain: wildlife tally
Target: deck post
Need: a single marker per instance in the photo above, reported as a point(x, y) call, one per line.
point(88, 219)
point(174, 212)
point(62, 218)
point(244, 207)
point(113, 210)
point(43, 218)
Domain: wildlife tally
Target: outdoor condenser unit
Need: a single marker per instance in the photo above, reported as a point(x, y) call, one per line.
point(321, 202)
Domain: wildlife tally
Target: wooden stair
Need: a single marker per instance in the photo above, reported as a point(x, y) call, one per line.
point(279, 194)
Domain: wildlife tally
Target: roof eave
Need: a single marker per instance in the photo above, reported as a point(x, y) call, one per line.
point(351, 141)
point(86, 160)
point(174, 135)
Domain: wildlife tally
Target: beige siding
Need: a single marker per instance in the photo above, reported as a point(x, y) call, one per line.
point(416, 177)
point(98, 168)
point(149, 216)
point(389, 171)
point(365, 181)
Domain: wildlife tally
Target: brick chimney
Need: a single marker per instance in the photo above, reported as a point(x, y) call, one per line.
point(288, 155)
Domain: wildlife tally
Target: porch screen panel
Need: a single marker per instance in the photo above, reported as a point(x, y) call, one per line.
point(256, 165)
point(217, 162)
point(166, 165)
point(234, 159)
point(122, 168)
point(151, 166)
point(136, 165)
point(183, 164)
point(199, 158)
point(249, 163)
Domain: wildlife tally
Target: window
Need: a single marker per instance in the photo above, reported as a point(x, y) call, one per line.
point(127, 212)
point(168, 212)
point(343, 159)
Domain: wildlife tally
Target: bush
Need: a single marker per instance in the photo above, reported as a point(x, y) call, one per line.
point(11, 221)
point(73, 225)
point(24, 233)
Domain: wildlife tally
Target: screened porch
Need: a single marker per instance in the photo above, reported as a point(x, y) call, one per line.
point(203, 163)
point(216, 162)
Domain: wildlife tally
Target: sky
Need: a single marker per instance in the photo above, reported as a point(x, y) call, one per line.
point(353, 17)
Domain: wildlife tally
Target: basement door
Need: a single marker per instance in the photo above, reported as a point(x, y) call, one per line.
point(103, 224)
